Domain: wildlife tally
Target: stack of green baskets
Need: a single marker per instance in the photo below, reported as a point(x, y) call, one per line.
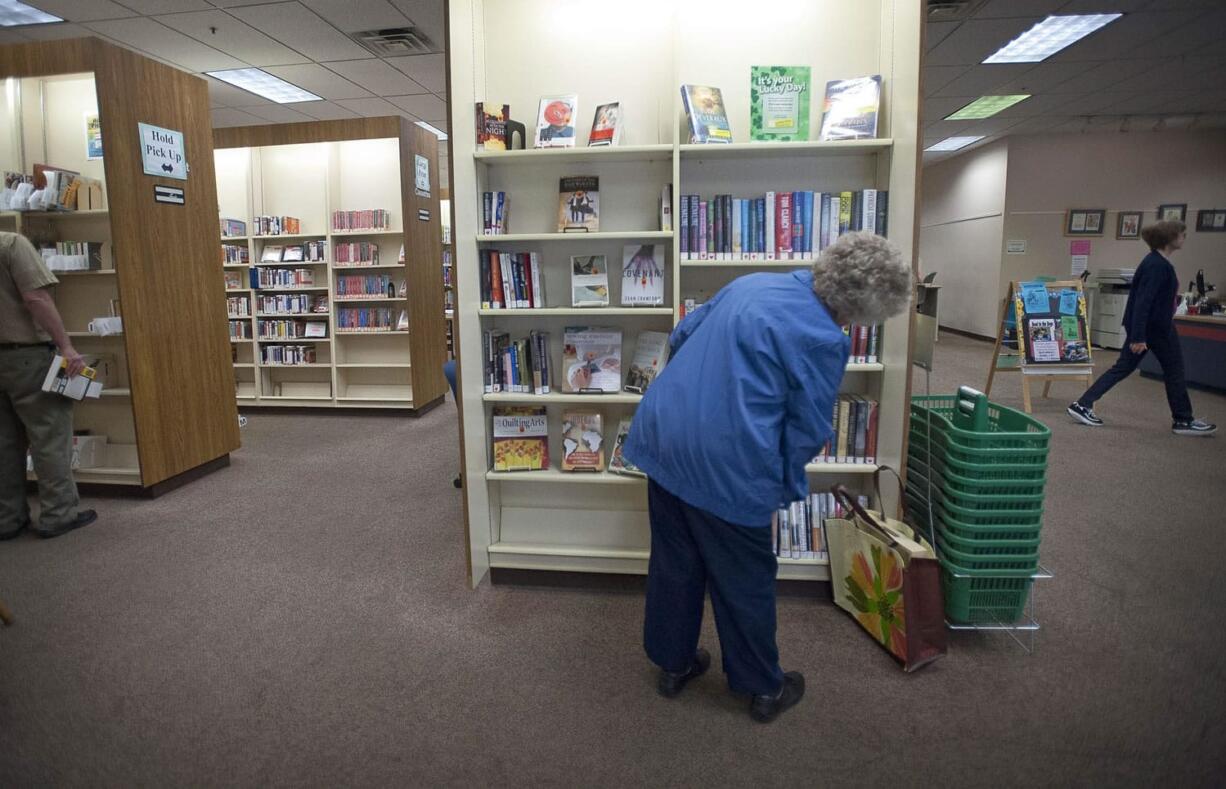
point(975, 477)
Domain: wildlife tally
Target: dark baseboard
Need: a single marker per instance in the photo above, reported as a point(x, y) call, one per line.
point(191, 475)
point(625, 583)
point(968, 334)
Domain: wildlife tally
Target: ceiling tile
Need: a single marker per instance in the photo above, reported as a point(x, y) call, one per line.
point(55, 32)
point(936, 32)
point(1103, 6)
point(1032, 125)
point(166, 6)
point(1095, 103)
point(319, 80)
point(429, 71)
point(354, 15)
point(1113, 74)
point(322, 110)
point(992, 126)
point(428, 16)
point(975, 39)
point(1198, 102)
point(294, 25)
point(937, 107)
point(424, 106)
point(144, 34)
point(984, 80)
point(222, 94)
point(1006, 8)
point(1041, 104)
point(376, 76)
point(1204, 30)
point(232, 37)
point(230, 117)
point(276, 113)
point(1125, 37)
point(937, 77)
point(84, 10)
point(1043, 77)
point(369, 108)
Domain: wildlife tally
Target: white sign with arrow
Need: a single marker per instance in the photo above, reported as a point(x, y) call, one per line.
point(161, 152)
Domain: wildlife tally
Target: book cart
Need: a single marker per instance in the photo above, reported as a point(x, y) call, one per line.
point(639, 54)
point(309, 171)
point(165, 409)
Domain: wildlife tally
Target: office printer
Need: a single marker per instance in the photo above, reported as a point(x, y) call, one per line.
point(1107, 315)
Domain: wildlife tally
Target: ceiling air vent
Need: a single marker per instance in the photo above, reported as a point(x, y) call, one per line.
point(951, 10)
point(393, 41)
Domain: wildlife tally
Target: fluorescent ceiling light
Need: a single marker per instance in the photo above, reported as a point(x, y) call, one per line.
point(953, 143)
point(261, 83)
point(15, 13)
point(442, 135)
point(986, 107)
point(1049, 37)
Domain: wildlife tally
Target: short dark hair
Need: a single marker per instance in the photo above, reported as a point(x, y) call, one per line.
point(1159, 235)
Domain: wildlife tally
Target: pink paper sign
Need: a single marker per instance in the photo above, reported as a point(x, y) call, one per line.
point(1079, 246)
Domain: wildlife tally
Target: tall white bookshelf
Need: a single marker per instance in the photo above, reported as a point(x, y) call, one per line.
point(640, 53)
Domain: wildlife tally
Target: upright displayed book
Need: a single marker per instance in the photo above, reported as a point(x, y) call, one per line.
point(582, 441)
point(606, 126)
point(779, 103)
point(850, 111)
point(648, 356)
point(495, 210)
point(492, 119)
point(511, 280)
point(520, 438)
point(589, 281)
point(643, 275)
point(591, 359)
point(708, 119)
point(555, 121)
point(579, 204)
point(618, 464)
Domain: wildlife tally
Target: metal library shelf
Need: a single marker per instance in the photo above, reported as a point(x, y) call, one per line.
point(551, 520)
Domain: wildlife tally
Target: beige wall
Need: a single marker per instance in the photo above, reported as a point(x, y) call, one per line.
point(961, 222)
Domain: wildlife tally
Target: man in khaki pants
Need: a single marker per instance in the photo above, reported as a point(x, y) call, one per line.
point(29, 417)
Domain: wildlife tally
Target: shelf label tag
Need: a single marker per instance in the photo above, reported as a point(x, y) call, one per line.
point(421, 175)
point(168, 194)
point(161, 152)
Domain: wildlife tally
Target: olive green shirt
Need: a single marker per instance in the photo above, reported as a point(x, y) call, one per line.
point(22, 270)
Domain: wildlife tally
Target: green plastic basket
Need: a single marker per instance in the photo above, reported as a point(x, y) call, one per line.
point(1033, 461)
point(917, 511)
point(984, 599)
point(1002, 512)
point(969, 420)
point(957, 483)
point(989, 563)
point(981, 546)
point(972, 501)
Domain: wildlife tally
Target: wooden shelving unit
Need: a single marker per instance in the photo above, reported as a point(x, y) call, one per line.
point(165, 409)
point(309, 170)
point(550, 520)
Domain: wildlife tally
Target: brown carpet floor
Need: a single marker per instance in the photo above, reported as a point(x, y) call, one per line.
point(302, 618)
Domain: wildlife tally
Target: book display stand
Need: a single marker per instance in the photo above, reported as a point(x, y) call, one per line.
point(165, 410)
point(310, 171)
point(597, 521)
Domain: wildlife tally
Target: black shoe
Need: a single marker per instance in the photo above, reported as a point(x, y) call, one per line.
point(84, 518)
point(1085, 416)
point(765, 709)
point(1193, 427)
point(8, 535)
point(671, 684)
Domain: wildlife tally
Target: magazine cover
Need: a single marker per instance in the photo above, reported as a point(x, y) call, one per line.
point(492, 120)
point(1043, 343)
point(555, 121)
point(521, 438)
point(704, 108)
point(617, 462)
point(779, 103)
point(582, 441)
point(591, 359)
point(643, 275)
point(648, 356)
point(606, 125)
point(579, 204)
point(850, 111)
point(589, 281)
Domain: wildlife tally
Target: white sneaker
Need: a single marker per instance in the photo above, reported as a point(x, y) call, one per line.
point(1194, 427)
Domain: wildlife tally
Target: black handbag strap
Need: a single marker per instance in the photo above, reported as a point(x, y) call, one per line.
point(844, 497)
point(902, 499)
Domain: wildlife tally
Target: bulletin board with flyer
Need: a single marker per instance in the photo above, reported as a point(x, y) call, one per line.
point(1052, 324)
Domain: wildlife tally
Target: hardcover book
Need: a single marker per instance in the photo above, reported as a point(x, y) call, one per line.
point(850, 112)
point(589, 281)
point(606, 125)
point(492, 119)
point(779, 103)
point(642, 275)
point(521, 438)
point(591, 359)
point(617, 462)
point(582, 441)
point(579, 204)
point(648, 356)
point(704, 108)
point(271, 254)
point(555, 121)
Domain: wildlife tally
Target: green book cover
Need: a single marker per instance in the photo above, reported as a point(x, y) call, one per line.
point(779, 103)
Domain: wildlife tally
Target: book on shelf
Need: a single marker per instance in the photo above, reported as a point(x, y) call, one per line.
point(238, 307)
point(648, 356)
point(666, 208)
point(271, 254)
point(704, 109)
point(589, 281)
point(76, 387)
point(269, 225)
point(366, 319)
point(402, 321)
point(240, 330)
point(520, 438)
point(579, 204)
point(606, 125)
point(642, 275)
point(235, 253)
point(285, 329)
point(854, 420)
point(617, 460)
point(779, 103)
point(375, 286)
point(495, 210)
point(582, 441)
point(865, 343)
point(74, 255)
point(233, 280)
point(492, 119)
point(591, 359)
point(689, 305)
point(282, 278)
point(798, 531)
point(850, 110)
point(232, 227)
point(511, 280)
point(555, 121)
point(288, 355)
point(288, 304)
point(362, 219)
point(777, 225)
point(355, 253)
point(520, 366)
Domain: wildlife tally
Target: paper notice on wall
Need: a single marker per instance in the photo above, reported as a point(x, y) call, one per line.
point(1079, 246)
point(1015, 246)
point(1079, 264)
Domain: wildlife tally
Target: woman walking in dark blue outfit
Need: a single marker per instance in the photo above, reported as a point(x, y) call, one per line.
point(1148, 322)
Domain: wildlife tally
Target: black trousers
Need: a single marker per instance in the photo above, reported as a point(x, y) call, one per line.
point(693, 551)
point(1169, 354)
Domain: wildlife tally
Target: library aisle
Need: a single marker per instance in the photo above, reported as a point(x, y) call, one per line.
point(250, 629)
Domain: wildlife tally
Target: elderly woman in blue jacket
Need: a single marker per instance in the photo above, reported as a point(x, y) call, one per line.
point(724, 434)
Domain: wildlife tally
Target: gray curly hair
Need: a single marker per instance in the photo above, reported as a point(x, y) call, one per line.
point(862, 278)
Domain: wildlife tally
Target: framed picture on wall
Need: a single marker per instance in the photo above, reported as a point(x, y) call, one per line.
point(1084, 221)
point(1129, 224)
point(1212, 220)
point(1175, 211)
